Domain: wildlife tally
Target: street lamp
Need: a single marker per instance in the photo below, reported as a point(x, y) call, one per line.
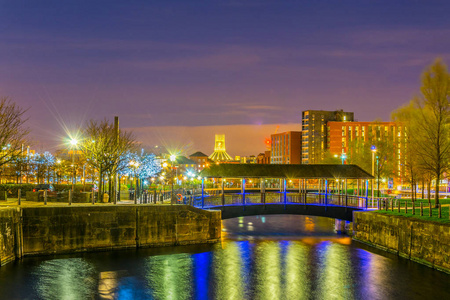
point(343, 157)
point(135, 165)
point(172, 159)
point(73, 143)
point(374, 150)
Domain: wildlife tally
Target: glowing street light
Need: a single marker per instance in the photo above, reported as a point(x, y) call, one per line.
point(135, 165)
point(73, 143)
point(172, 158)
point(343, 157)
point(374, 150)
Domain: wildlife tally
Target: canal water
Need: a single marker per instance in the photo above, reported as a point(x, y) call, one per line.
point(264, 257)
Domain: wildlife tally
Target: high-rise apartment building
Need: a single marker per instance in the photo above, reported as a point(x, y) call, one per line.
point(286, 148)
point(315, 133)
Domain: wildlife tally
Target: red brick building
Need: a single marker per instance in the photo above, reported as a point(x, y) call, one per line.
point(286, 148)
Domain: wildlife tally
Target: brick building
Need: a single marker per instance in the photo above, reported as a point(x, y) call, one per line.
point(286, 148)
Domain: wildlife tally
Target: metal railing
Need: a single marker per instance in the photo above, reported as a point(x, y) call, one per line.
point(214, 200)
point(207, 199)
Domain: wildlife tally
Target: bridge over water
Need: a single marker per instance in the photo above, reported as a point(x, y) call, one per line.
point(319, 190)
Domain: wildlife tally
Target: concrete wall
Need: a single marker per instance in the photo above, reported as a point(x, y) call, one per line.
point(48, 230)
point(425, 242)
point(9, 218)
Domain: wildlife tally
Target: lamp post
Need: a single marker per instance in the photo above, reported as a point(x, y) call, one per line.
point(58, 171)
point(343, 157)
point(135, 165)
point(73, 143)
point(172, 159)
point(374, 150)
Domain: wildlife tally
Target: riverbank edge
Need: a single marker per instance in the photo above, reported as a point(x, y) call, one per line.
point(39, 231)
point(409, 238)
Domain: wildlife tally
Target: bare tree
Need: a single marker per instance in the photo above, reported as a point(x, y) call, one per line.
point(432, 135)
point(407, 115)
point(103, 150)
point(12, 131)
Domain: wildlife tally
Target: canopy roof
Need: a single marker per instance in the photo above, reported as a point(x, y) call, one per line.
point(284, 171)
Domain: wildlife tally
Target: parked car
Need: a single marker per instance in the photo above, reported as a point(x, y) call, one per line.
point(43, 187)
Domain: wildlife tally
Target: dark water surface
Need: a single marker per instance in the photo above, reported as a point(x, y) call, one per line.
point(265, 257)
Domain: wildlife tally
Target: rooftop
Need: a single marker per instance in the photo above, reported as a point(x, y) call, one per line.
point(285, 171)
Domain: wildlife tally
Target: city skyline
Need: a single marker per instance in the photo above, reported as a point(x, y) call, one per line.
point(176, 67)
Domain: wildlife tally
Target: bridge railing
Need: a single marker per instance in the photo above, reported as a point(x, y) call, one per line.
point(288, 198)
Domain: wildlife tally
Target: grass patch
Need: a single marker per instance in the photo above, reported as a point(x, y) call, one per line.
point(445, 211)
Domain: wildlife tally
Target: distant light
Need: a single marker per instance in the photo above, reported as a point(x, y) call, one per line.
point(199, 177)
point(165, 165)
point(173, 157)
point(373, 148)
point(73, 142)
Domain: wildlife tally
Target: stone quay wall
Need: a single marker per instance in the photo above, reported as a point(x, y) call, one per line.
point(425, 242)
point(53, 230)
point(9, 227)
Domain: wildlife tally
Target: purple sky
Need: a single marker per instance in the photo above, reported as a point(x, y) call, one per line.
point(194, 67)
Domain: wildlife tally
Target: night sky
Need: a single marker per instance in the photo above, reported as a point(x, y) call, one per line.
point(176, 72)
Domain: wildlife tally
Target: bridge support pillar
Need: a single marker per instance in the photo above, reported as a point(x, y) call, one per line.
point(243, 191)
point(339, 226)
point(319, 191)
point(223, 191)
point(305, 196)
point(263, 190)
point(346, 193)
point(367, 194)
point(203, 192)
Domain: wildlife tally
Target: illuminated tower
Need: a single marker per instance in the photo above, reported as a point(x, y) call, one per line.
point(220, 154)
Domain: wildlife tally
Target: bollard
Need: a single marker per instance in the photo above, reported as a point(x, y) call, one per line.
point(421, 209)
point(414, 208)
point(398, 205)
point(19, 192)
point(45, 197)
point(431, 213)
point(392, 205)
point(70, 197)
point(406, 207)
point(439, 212)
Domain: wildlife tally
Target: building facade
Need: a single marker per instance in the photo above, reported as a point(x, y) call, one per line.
point(315, 135)
point(341, 136)
point(263, 158)
point(286, 148)
point(201, 160)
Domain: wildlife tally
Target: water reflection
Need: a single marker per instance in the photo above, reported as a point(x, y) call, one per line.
point(227, 266)
point(169, 276)
point(335, 280)
point(272, 257)
point(297, 271)
point(65, 279)
point(268, 271)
